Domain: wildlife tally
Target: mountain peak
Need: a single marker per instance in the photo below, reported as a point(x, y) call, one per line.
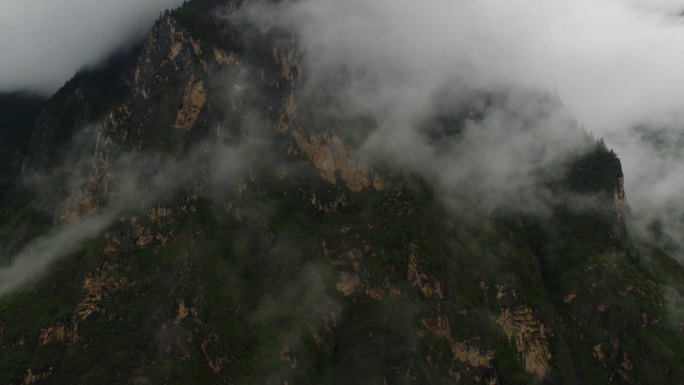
point(204, 210)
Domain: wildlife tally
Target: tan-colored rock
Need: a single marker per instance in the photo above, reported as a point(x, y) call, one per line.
point(317, 338)
point(194, 98)
point(175, 50)
point(378, 183)
point(18, 342)
point(391, 288)
point(182, 311)
point(599, 354)
point(68, 217)
point(428, 287)
point(530, 337)
point(330, 156)
point(30, 377)
point(289, 62)
point(215, 363)
point(222, 57)
point(196, 46)
point(626, 367)
point(59, 332)
point(500, 292)
point(111, 242)
point(348, 283)
point(288, 113)
point(469, 355)
point(160, 216)
point(97, 286)
point(285, 355)
point(374, 293)
point(143, 236)
point(339, 201)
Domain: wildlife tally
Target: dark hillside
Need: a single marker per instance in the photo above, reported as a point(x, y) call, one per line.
point(18, 114)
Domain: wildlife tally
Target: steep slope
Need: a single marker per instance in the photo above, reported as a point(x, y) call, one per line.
point(203, 226)
point(18, 113)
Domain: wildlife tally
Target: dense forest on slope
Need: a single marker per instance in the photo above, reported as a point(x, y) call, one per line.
point(18, 113)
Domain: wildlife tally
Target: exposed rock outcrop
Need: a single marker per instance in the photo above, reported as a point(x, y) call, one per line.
point(347, 284)
point(415, 275)
point(462, 352)
point(530, 337)
point(59, 332)
point(331, 157)
point(31, 378)
point(97, 286)
point(194, 98)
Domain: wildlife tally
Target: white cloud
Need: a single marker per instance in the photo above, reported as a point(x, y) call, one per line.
point(44, 42)
point(140, 180)
point(615, 65)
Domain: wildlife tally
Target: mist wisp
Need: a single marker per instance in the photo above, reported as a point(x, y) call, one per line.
point(44, 42)
point(610, 66)
point(140, 181)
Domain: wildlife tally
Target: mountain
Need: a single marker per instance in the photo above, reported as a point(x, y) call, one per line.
point(184, 216)
point(18, 113)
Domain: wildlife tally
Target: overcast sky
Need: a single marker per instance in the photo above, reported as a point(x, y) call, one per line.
point(44, 42)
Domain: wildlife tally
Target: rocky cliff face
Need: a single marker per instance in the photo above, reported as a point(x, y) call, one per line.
point(243, 243)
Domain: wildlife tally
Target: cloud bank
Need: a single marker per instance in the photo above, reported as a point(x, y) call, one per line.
point(45, 42)
point(615, 65)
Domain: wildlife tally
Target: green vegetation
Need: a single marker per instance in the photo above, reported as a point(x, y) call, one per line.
point(204, 19)
point(18, 113)
point(597, 171)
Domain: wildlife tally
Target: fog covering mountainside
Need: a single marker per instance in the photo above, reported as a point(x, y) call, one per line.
point(228, 202)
